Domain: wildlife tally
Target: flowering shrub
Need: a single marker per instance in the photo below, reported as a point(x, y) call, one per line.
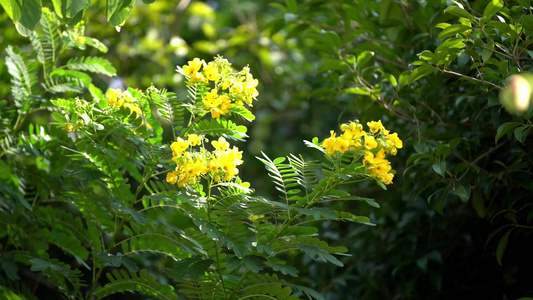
point(100, 191)
point(372, 145)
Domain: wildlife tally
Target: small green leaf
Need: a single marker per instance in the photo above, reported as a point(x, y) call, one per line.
point(233, 263)
point(439, 168)
point(459, 12)
point(521, 133)
point(492, 8)
point(253, 263)
point(364, 59)
point(453, 30)
point(478, 204)
point(426, 55)
point(501, 246)
point(504, 129)
point(420, 72)
point(463, 192)
point(118, 11)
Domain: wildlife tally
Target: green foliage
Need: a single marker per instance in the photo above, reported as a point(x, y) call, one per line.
point(84, 194)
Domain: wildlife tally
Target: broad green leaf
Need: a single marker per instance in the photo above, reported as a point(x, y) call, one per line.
point(420, 72)
point(521, 133)
point(118, 11)
point(69, 8)
point(501, 246)
point(462, 191)
point(12, 8)
point(492, 8)
point(504, 129)
point(478, 204)
point(364, 59)
point(453, 30)
point(459, 12)
point(31, 13)
point(439, 168)
point(426, 55)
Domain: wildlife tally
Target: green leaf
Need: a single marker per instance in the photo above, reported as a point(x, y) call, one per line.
point(521, 133)
point(492, 8)
point(253, 263)
point(426, 55)
point(420, 72)
point(123, 281)
point(96, 44)
point(502, 245)
point(479, 204)
point(463, 192)
point(439, 168)
point(292, 5)
point(319, 254)
point(221, 127)
point(118, 11)
point(233, 263)
point(504, 129)
point(364, 59)
point(92, 64)
point(30, 13)
point(453, 30)
point(458, 12)
point(284, 269)
point(10, 268)
point(12, 8)
point(69, 8)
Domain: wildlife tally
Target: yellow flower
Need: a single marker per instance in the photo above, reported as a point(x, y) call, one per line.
point(179, 147)
point(197, 77)
point(193, 66)
point(221, 144)
point(386, 178)
point(194, 139)
point(133, 109)
point(341, 145)
point(211, 72)
point(329, 144)
point(210, 99)
point(172, 177)
point(370, 142)
point(114, 97)
point(394, 143)
point(236, 88)
point(80, 39)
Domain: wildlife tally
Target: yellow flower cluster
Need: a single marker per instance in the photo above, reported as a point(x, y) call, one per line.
point(117, 98)
point(193, 164)
point(227, 87)
point(372, 144)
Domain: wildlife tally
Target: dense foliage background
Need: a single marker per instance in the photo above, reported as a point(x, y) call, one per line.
point(456, 223)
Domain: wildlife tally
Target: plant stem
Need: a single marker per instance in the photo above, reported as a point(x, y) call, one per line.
point(219, 269)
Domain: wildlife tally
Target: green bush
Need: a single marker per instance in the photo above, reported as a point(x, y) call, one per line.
point(92, 189)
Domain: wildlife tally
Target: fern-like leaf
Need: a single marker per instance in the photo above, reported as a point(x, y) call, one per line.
point(221, 127)
point(92, 64)
point(169, 106)
point(123, 281)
